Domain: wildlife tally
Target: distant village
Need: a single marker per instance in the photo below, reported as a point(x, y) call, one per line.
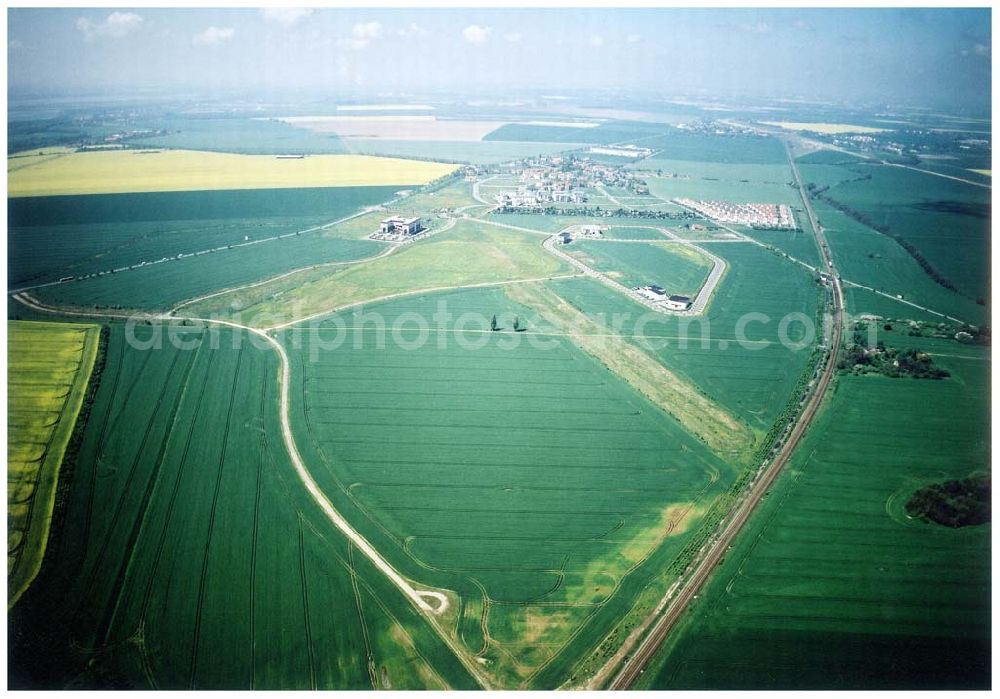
point(559, 179)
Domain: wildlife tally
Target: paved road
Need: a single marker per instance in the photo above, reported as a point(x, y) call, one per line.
point(477, 195)
point(700, 301)
point(715, 549)
point(719, 266)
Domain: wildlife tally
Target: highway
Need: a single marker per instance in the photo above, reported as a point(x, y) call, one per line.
point(662, 622)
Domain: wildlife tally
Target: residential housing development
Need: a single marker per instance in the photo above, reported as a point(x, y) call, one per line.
point(753, 215)
point(558, 179)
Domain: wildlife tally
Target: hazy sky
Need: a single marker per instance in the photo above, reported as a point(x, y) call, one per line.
point(892, 56)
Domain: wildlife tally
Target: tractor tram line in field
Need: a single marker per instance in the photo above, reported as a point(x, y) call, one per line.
point(175, 489)
point(107, 625)
point(665, 617)
point(654, 629)
point(151, 487)
point(95, 569)
point(211, 520)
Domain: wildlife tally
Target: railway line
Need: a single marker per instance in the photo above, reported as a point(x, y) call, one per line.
point(671, 610)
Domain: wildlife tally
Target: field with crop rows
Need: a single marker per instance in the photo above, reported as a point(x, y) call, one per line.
point(751, 381)
point(799, 244)
point(947, 221)
point(52, 237)
point(528, 478)
point(469, 253)
point(832, 586)
point(162, 286)
point(109, 172)
point(677, 268)
point(48, 370)
point(872, 259)
point(191, 555)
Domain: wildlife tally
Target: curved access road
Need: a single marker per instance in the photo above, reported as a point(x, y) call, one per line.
point(419, 598)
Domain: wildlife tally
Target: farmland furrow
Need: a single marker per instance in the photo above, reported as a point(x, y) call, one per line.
point(173, 493)
point(262, 452)
point(663, 619)
point(415, 597)
point(211, 520)
point(126, 490)
point(100, 445)
point(139, 524)
point(305, 607)
point(361, 617)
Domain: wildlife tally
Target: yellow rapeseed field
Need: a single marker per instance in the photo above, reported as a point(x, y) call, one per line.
point(824, 128)
point(111, 172)
point(48, 369)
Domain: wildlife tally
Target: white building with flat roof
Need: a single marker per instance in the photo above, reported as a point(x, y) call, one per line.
point(676, 302)
point(400, 226)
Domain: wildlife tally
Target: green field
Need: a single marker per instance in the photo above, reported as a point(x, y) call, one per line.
point(629, 232)
point(553, 482)
point(766, 173)
point(734, 190)
point(751, 382)
point(469, 253)
point(528, 479)
point(832, 586)
point(677, 268)
point(872, 259)
point(699, 148)
point(799, 244)
point(947, 221)
point(48, 372)
point(162, 286)
point(53, 237)
point(191, 556)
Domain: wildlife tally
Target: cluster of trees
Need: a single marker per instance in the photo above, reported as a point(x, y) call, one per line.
point(860, 358)
point(517, 324)
point(865, 220)
point(958, 503)
point(596, 211)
